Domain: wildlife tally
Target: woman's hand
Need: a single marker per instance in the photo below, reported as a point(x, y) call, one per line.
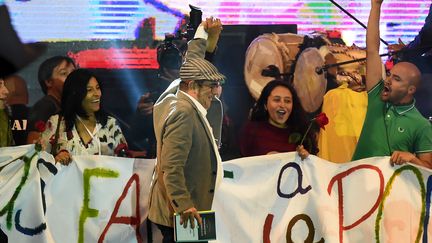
point(63, 157)
point(302, 152)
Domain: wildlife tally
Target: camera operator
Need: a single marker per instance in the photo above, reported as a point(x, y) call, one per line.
point(170, 58)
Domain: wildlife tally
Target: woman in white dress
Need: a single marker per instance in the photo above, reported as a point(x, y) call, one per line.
point(85, 128)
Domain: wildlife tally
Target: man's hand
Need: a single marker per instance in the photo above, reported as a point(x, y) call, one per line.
point(145, 104)
point(400, 157)
point(422, 159)
point(190, 214)
point(396, 47)
point(213, 27)
point(376, 2)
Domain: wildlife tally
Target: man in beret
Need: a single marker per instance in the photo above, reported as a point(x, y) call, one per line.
point(170, 60)
point(188, 166)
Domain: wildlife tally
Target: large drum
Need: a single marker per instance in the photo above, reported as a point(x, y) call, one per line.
point(279, 50)
point(310, 85)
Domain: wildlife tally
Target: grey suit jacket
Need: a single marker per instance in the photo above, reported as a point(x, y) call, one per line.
point(186, 168)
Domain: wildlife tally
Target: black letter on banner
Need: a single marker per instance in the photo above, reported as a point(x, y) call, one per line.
point(309, 223)
point(299, 181)
point(28, 231)
point(53, 170)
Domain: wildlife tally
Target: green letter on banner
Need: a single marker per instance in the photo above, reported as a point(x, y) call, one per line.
point(87, 212)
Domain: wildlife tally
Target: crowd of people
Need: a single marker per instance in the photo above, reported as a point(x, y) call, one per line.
point(187, 121)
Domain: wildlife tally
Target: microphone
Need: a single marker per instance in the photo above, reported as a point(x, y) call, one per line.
point(271, 71)
point(319, 70)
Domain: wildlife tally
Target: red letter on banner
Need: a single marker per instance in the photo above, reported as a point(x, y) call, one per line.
point(267, 228)
point(339, 178)
point(126, 220)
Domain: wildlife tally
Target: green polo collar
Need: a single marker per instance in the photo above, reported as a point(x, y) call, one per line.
point(401, 109)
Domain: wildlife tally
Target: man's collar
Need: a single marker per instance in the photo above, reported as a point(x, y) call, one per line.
point(401, 109)
point(200, 107)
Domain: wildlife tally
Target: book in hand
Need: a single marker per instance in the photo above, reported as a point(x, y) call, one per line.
point(204, 233)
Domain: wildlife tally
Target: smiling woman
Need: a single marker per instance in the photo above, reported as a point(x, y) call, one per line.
point(276, 123)
point(84, 127)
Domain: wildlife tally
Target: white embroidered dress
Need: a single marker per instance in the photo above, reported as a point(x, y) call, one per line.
point(105, 139)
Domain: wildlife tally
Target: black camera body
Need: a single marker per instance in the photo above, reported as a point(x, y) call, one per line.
point(195, 19)
point(171, 51)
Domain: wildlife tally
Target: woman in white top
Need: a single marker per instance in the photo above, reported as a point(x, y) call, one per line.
point(84, 128)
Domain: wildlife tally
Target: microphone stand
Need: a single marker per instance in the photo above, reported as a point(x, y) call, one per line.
point(324, 68)
point(354, 18)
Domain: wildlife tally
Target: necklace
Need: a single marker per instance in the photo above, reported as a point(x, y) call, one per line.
point(92, 134)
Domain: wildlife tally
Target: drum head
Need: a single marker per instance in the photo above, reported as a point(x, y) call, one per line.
point(261, 53)
point(309, 85)
point(352, 73)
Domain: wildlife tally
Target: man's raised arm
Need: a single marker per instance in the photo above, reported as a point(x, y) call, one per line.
point(373, 61)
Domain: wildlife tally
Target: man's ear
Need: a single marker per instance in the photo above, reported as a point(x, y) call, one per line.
point(412, 89)
point(193, 85)
point(190, 84)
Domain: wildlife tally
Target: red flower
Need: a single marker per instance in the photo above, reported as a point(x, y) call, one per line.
point(40, 126)
point(322, 120)
point(334, 34)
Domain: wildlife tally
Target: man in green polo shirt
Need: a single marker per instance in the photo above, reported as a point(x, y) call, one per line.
point(393, 126)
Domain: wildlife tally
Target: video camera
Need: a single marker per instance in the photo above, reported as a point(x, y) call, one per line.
point(171, 51)
point(195, 19)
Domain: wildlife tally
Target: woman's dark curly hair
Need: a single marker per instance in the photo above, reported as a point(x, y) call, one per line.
point(297, 121)
point(74, 92)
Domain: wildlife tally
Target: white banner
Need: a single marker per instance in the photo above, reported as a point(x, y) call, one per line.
point(21, 205)
point(274, 198)
point(278, 198)
point(94, 199)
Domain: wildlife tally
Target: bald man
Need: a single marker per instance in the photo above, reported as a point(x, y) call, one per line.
point(393, 125)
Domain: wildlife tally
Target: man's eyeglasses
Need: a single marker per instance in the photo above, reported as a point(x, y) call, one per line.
point(208, 83)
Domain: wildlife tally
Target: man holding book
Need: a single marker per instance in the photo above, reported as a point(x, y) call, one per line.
point(188, 166)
